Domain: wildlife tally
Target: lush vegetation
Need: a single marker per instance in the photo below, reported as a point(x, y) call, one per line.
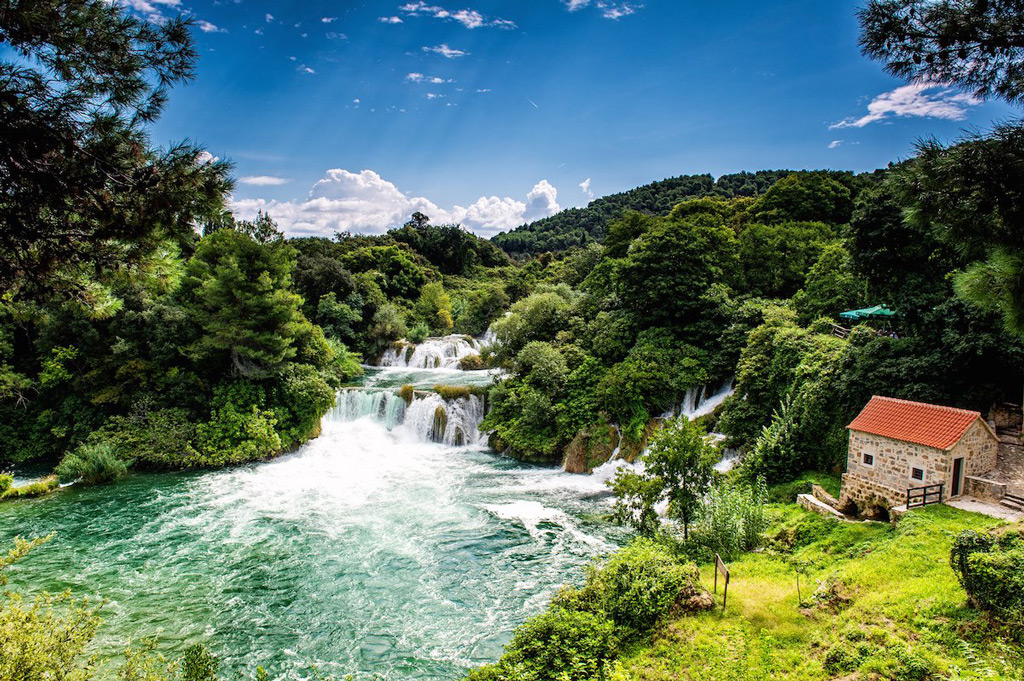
point(578, 227)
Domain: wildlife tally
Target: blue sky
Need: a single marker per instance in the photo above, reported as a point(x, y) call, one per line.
point(349, 115)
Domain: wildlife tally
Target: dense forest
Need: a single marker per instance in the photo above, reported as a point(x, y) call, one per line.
point(582, 226)
point(143, 326)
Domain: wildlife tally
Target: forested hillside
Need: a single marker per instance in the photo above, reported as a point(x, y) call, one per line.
point(581, 226)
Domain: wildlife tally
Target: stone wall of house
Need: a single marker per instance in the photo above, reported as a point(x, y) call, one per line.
point(890, 475)
point(979, 447)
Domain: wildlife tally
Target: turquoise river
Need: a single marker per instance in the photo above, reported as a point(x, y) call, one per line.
point(371, 551)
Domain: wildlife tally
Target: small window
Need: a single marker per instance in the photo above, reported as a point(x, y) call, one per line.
point(917, 473)
point(869, 459)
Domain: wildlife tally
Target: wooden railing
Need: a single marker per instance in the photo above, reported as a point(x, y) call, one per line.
point(923, 496)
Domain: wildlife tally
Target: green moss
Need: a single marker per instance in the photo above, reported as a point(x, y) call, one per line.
point(460, 392)
point(406, 392)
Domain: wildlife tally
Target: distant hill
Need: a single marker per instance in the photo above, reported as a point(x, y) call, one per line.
point(581, 226)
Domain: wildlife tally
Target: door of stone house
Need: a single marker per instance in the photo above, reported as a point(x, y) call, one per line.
point(958, 475)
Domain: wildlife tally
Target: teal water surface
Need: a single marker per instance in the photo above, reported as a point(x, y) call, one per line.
point(367, 552)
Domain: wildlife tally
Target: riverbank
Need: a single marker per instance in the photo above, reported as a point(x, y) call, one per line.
point(875, 601)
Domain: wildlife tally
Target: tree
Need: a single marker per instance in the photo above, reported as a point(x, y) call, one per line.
point(831, 286)
point(668, 277)
point(239, 292)
point(434, 307)
point(678, 468)
point(84, 195)
point(976, 44)
point(971, 197)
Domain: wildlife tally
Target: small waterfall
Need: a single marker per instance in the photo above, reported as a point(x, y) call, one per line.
point(433, 353)
point(702, 400)
point(429, 417)
point(455, 422)
point(352, 404)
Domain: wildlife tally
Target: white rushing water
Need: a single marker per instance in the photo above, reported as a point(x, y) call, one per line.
point(373, 550)
point(427, 418)
point(434, 353)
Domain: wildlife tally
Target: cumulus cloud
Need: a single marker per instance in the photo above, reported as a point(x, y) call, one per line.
point(445, 51)
point(390, 20)
point(924, 100)
point(262, 180)
point(585, 188)
point(269, 17)
point(328, 20)
point(834, 144)
point(366, 203)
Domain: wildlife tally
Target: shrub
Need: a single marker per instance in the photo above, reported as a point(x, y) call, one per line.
point(93, 464)
point(637, 586)
point(731, 521)
point(407, 392)
point(472, 363)
point(33, 489)
point(991, 570)
point(418, 333)
point(6, 482)
point(558, 644)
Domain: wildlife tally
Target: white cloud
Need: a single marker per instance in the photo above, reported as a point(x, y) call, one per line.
point(585, 187)
point(390, 20)
point(482, 90)
point(262, 180)
point(204, 157)
point(328, 20)
point(469, 18)
point(207, 27)
point(835, 144)
point(541, 202)
point(445, 51)
point(420, 78)
point(269, 17)
point(258, 31)
point(366, 203)
point(924, 100)
point(608, 9)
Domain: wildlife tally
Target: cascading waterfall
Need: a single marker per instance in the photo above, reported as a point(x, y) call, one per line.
point(355, 403)
point(428, 418)
point(433, 353)
point(454, 422)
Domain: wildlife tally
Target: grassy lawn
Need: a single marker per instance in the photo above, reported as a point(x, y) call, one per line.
point(878, 602)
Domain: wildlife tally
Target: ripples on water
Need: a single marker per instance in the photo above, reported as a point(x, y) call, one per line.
point(366, 552)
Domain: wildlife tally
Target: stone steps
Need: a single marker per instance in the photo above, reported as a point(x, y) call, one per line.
point(1014, 501)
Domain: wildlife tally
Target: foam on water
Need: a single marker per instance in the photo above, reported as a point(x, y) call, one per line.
point(369, 551)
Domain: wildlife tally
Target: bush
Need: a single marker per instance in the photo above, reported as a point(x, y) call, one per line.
point(418, 333)
point(991, 570)
point(558, 644)
point(6, 482)
point(637, 586)
point(731, 521)
point(93, 464)
point(33, 489)
point(472, 363)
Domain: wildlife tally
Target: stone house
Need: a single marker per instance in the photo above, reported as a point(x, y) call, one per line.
point(897, 445)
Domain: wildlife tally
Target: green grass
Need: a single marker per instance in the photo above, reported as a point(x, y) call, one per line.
point(786, 492)
point(33, 489)
point(895, 609)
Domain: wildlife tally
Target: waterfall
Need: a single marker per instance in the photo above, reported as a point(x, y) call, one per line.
point(454, 422)
point(700, 400)
point(433, 353)
point(355, 403)
point(428, 418)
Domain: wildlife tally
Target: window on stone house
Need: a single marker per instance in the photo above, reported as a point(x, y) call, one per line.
point(869, 459)
point(917, 473)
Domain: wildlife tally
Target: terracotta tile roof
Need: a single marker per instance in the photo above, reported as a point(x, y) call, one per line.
point(924, 424)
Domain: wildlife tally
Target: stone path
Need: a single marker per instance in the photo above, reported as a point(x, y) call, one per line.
point(986, 508)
